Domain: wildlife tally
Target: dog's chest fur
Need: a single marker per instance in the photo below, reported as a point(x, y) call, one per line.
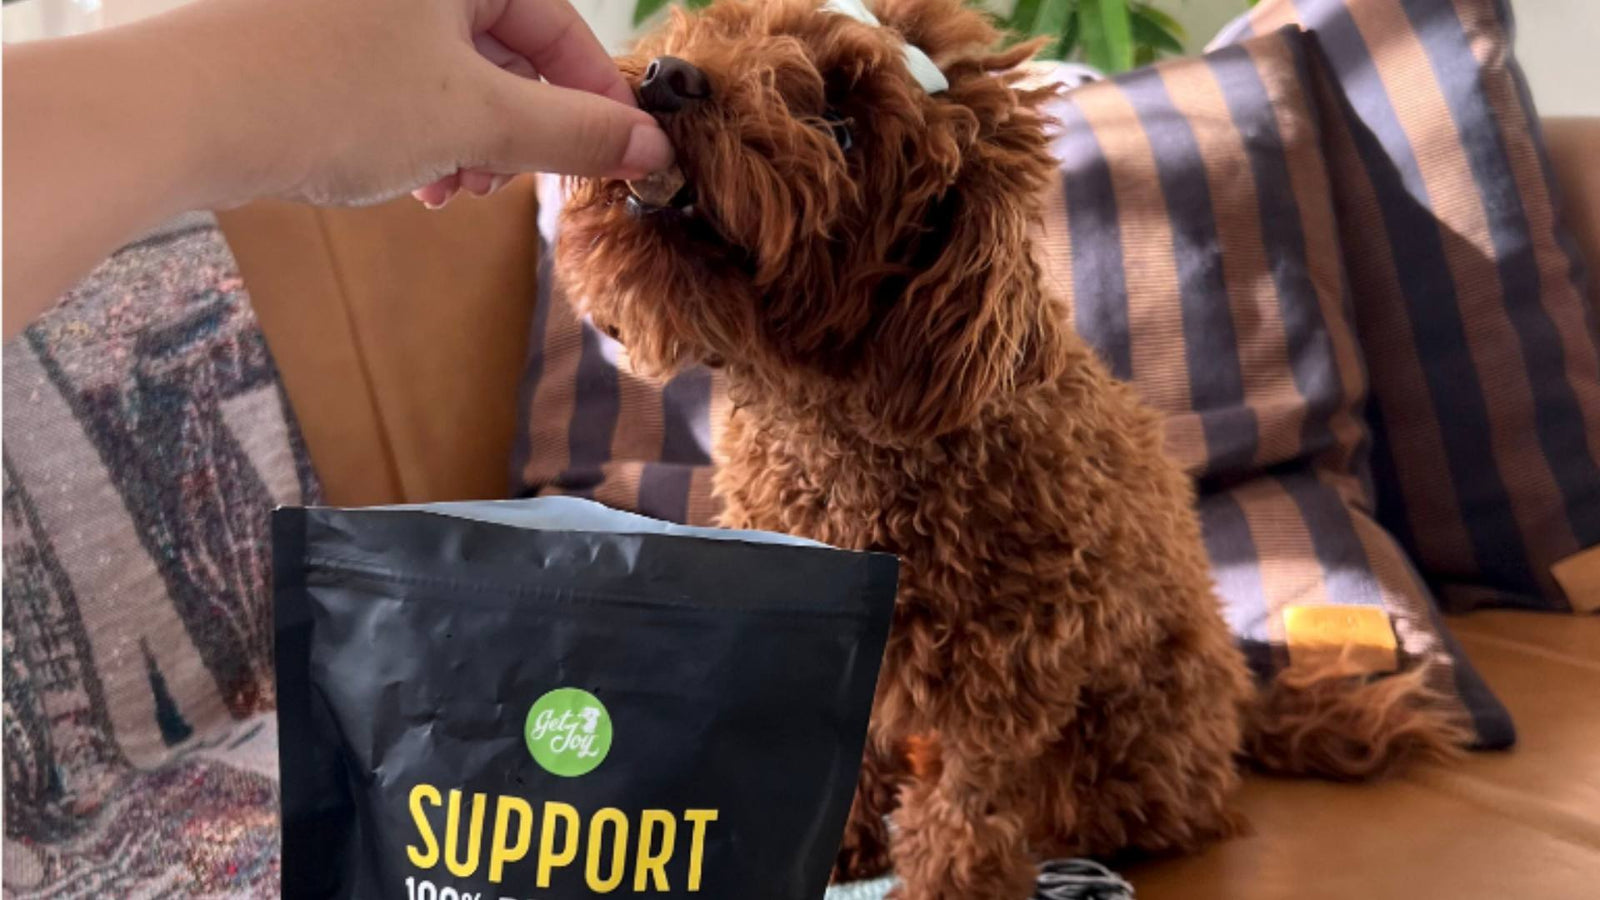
point(1055, 499)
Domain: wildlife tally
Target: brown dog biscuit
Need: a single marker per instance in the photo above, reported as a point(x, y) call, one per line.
point(658, 188)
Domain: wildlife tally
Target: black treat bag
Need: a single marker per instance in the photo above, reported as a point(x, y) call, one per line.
point(472, 710)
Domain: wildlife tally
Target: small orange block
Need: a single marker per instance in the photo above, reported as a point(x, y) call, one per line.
point(1323, 634)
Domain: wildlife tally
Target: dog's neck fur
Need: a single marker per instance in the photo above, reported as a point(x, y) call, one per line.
point(851, 415)
point(832, 472)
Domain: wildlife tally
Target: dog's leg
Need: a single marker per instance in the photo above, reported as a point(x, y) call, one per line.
point(1170, 787)
point(961, 836)
point(995, 689)
point(864, 852)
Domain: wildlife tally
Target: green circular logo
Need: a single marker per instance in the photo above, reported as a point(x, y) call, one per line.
point(568, 732)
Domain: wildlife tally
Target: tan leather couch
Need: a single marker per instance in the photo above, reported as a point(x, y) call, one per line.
point(401, 334)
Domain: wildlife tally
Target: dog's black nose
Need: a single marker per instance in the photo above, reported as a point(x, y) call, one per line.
point(670, 84)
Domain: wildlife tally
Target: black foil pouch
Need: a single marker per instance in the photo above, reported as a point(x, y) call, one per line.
point(549, 699)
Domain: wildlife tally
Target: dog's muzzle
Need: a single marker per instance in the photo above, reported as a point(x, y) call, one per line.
point(670, 84)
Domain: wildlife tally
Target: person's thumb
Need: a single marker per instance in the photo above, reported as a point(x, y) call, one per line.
point(534, 126)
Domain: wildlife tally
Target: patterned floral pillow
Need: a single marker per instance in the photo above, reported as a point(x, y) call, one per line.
point(146, 441)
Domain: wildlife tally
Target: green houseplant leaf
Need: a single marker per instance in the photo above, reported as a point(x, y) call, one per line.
point(1111, 35)
point(1155, 31)
point(1107, 34)
point(1022, 17)
point(1063, 48)
point(1052, 21)
point(644, 9)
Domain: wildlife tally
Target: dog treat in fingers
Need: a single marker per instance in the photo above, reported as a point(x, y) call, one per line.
point(658, 188)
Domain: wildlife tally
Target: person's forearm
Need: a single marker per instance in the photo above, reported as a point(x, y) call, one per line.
point(322, 101)
point(100, 135)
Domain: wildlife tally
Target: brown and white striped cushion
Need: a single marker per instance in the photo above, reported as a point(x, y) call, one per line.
point(1193, 233)
point(1194, 238)
point(1468, 293)
point(595, 428)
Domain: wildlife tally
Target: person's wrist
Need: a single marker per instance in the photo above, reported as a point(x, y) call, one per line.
point(241, 135)
point(158, 101)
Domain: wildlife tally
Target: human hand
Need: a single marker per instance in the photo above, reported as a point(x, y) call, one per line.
point(221, 102)
point(357, 101)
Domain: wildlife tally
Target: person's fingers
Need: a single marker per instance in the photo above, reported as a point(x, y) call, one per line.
point(553, 37)
point(432, 194)
point(533, 126)
point(476, 181)
point(473, 181)
point(436, 195)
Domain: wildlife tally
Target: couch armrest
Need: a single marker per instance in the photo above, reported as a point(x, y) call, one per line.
point(400, 334)
point(1574, 146)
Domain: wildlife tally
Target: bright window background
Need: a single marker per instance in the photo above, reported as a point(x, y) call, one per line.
point(1559, 43)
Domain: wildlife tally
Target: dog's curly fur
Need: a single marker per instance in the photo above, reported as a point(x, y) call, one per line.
point(1059, 680)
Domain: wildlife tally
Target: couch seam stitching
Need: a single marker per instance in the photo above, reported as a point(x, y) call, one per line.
point(396, 482)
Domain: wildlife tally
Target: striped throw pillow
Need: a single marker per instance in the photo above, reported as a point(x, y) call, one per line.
point(592, 427)
point(1194, 238)
point(1289, 543)
point(1468, 293)
point(1193, 233)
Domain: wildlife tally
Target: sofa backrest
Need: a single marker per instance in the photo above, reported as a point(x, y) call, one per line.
point(401, 332)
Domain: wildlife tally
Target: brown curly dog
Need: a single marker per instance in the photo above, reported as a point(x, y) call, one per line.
point(855, 253)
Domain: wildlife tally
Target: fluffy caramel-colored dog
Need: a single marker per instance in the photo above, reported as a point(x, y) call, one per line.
point(854, 252)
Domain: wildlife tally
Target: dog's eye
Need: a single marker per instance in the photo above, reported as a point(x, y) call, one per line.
point(841, 129)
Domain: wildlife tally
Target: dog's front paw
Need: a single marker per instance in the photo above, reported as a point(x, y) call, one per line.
point(864, 850)
point(945, 850)
point(862, 857)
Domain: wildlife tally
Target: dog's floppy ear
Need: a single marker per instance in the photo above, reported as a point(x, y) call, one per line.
point(970, 322)
point(966, 328)
point(939, 28)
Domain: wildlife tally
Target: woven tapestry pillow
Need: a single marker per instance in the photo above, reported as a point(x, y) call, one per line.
point(1193, 234)
point(146, 441)
point(1468, 294)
